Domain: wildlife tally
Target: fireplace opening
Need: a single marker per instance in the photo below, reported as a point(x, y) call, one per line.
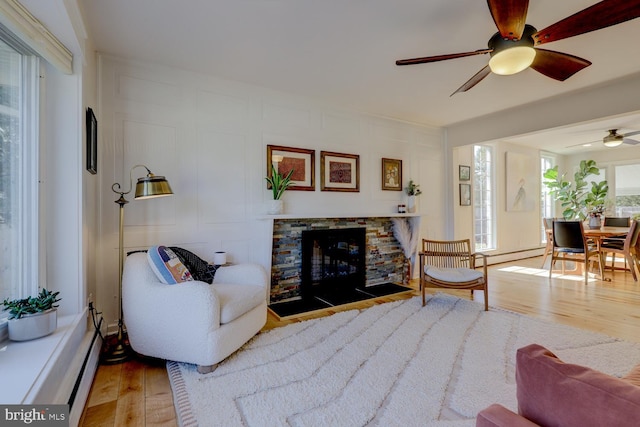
point(333, 272)
point(333, 265)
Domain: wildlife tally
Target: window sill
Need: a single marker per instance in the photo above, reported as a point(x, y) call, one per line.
point(26, 365)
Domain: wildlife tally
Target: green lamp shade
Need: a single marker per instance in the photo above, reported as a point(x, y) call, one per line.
point(152, 186)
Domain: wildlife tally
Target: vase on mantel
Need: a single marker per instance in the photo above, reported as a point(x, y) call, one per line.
point(411, 204)
point(275, 207)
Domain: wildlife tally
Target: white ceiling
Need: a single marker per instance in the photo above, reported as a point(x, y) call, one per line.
point(344, 52)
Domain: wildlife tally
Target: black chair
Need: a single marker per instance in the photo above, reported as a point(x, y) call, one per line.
point(570, 244)
point(627, 248)
point(617, 221)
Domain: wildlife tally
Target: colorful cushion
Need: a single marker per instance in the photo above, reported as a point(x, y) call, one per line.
point(200, 269)
point(167, 266)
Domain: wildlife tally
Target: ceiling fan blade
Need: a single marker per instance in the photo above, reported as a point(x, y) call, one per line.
point(509, 16)
point(630, 141)
point(558, 65)
point(600, 15)
point(437, 58)
point(635, 132)
point(477, 78)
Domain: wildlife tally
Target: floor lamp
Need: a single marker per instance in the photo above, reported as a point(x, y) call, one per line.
point(147, 187)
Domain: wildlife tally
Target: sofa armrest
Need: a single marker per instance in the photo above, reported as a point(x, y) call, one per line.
point(499, 416)
point(242, 274)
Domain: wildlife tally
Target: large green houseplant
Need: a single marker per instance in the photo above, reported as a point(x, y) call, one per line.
point(579, 199)
point(32, 317)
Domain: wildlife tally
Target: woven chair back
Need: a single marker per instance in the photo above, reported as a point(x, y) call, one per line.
point(448, 254)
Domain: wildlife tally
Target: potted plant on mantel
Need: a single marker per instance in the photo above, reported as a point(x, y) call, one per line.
point(32, 317)
point(412, 191)
point(278, 185)
point(577, 199)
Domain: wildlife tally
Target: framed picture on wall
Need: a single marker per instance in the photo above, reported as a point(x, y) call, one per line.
point(392, 174)
point(302, 161)
point(92, 142)
point(339, 172)
point(464, 173)
point(465, 194)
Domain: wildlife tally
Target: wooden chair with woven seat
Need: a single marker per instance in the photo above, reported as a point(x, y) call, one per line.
point(570, 244)
point(548, 230)
point(451, 265)
point(627, 248)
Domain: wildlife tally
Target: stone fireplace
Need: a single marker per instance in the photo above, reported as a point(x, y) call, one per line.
point(381, 255)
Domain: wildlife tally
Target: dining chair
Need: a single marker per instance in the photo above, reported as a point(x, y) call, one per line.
point(570, 244)
point(627, 248)
point(451, 265)
point(548, 230)
point(617, 221)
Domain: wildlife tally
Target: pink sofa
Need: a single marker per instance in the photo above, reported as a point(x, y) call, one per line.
point(553, 393)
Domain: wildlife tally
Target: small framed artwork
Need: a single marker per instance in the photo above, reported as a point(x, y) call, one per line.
point(465, 194)
point(392, 174)
point(339, 172)
point(464, 173)
point(92, 142)
point(302, 161)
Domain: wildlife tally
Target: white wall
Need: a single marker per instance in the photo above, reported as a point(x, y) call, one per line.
point(616, 97)
point(515, 230)
point(208, 136)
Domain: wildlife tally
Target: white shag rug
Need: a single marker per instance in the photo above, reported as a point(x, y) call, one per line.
point(394, 364)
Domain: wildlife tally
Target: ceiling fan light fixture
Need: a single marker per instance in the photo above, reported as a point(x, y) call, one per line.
point(612, 140)
point(512, 61)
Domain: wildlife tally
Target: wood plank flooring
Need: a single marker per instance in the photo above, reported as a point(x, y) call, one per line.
point(137, 393)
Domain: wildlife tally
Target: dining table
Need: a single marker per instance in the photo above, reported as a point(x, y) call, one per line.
point(599, 234)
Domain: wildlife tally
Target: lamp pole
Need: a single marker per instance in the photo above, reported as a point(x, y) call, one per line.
point(120, 351)
point(147, 187)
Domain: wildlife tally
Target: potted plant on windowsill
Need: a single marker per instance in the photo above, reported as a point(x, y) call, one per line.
point(278, 184)
point(32, 317)
point(412, 191)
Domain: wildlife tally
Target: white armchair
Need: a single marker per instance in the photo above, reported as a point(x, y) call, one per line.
point(192, 322)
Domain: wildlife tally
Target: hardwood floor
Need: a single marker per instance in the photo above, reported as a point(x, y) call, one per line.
point(137, 393)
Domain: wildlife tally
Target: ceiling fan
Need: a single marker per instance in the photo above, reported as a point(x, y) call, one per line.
point(614, 138)
point(512, 47)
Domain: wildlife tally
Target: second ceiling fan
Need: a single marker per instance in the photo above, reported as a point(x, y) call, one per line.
point(514, 47)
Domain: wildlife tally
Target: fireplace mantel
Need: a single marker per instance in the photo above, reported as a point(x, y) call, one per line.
point(340, 215)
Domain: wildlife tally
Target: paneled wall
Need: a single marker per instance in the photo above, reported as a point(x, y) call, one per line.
point(208, 136)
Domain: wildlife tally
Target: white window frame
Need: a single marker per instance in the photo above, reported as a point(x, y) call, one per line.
point(547, 202)
point(486, 203)
point(26, 262)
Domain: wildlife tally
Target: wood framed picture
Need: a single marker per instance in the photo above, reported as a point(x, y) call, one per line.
point(464, 173)
point(302, 161)
point(339, 172)
point(392, 174)
point(92, 142)
point(465, 194)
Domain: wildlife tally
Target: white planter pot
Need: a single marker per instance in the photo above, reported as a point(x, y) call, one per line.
point(275, 207)
point(411, 204)
point(33, 326)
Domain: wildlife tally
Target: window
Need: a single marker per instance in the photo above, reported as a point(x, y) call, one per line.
point(18, 169)
point(627, 189)
point(547, 205)
point(483, 198)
